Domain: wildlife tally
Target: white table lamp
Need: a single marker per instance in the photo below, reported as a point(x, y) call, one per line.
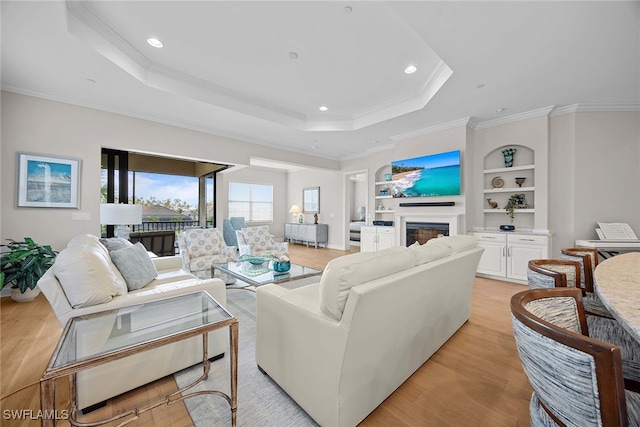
point(295, 211)
point(121, 215)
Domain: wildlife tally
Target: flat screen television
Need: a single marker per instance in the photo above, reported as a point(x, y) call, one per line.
point(427, 176)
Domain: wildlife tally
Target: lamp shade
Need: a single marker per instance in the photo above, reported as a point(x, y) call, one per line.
point(120, 214)
point(295, 209)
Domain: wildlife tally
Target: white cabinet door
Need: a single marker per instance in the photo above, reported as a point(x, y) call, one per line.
point(368, 237)
point(518, 257)
point(386, 238)
point(520, 250)
point(493, 260)
point(376, 238)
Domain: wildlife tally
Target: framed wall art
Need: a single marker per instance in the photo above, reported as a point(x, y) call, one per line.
point(47, 181)
point(311, 200)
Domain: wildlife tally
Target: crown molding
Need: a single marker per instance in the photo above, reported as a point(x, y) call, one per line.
point(516, 117)
point(432, 129)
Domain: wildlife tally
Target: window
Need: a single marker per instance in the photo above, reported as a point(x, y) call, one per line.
point(254, 202)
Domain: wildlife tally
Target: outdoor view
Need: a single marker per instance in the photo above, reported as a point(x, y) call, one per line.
point(168, 201)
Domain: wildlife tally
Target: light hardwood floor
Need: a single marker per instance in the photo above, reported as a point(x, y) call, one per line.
point(475, 379)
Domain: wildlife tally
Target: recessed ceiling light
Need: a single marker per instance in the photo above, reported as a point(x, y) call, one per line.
point(347, 9)
point(91, 81)
point(315, 147)
point(155, 43)
point(292, 55)
point(375, 141)
point(323, 108)
point(500, 110)
point(411, 69)
point(480, 86)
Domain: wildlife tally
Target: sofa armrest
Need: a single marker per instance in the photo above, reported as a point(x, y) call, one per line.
point(167, 263)
point(215, 287)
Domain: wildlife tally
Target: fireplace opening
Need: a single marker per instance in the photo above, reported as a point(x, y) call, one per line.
point(422, 231)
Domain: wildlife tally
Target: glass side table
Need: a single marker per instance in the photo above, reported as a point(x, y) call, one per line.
point(99, 338)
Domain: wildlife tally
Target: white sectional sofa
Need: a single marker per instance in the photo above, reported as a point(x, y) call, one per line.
point(341, 346)
point(85, 280)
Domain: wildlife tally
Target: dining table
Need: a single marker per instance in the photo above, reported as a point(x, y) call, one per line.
point(617, 283)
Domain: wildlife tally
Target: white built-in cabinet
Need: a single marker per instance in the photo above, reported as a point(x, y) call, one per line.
point(506, 254)
point(500, 184)
point(377, 238)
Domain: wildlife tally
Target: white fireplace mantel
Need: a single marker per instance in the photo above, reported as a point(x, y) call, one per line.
point(454, 221)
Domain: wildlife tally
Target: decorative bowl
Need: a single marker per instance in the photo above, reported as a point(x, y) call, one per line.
point(281, 266)
point(256, 260)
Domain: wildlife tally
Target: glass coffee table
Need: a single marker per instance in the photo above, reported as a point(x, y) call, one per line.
point(98, 338)
point(239, 270)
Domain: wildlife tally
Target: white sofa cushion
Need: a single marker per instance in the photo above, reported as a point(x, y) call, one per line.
point(135, 265)
point(341, 274)
point(427, 253)
point(94, 241)
point(457, 243)
point(85, 275)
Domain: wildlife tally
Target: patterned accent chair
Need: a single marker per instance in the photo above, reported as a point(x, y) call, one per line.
point(550, 273)
point(258, 241)
point(201, 247)
point(576, 380)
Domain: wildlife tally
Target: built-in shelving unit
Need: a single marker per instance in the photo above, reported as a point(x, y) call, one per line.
point(386, 201)
point(523, 167)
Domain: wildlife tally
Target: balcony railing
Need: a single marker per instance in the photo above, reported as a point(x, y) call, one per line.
point(167, 225)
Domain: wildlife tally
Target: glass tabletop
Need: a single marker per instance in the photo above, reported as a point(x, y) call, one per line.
point(98, 334)
point(242, 271)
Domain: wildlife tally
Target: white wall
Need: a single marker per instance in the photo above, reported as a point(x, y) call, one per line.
point(591, 160)
point(332, 200)
point(40, 126)
point(256, 175)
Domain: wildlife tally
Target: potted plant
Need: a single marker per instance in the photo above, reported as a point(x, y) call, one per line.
point(23, 265)
point(516, 201)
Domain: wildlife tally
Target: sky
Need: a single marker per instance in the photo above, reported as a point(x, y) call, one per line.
point(432, 161)
point(164, 187)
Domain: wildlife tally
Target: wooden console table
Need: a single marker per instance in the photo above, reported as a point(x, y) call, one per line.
point(99, 338)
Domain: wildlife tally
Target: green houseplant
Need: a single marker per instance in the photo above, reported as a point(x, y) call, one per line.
point(516, 201)
point(24, 263)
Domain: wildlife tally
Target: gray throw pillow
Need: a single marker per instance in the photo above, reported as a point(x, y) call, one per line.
point(135, 265)
point(115, 243)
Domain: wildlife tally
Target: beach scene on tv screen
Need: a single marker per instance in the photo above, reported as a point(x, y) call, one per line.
point(427, 176)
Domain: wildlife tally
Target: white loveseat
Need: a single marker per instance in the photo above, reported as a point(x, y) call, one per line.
point(84, 280)
point(341, 346)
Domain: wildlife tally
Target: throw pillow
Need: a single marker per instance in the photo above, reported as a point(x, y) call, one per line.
point(85, 276)
point(95, 242)
point(115, 243)
point(135, 265)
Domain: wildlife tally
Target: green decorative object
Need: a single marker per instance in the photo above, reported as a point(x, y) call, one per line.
point(24, 264)
point(516, 201)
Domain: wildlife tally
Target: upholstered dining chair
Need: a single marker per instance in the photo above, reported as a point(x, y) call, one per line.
point(568, 272)
point(588, 259)
point(555, 273)
point(258, 241)
point(576, 380)
point(201, 247)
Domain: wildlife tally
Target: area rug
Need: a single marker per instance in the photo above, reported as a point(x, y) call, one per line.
point(261, 402)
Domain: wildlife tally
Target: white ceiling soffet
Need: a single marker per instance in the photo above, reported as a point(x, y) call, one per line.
point(259, 71)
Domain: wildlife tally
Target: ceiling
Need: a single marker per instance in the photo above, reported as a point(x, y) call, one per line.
point(259, 71)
